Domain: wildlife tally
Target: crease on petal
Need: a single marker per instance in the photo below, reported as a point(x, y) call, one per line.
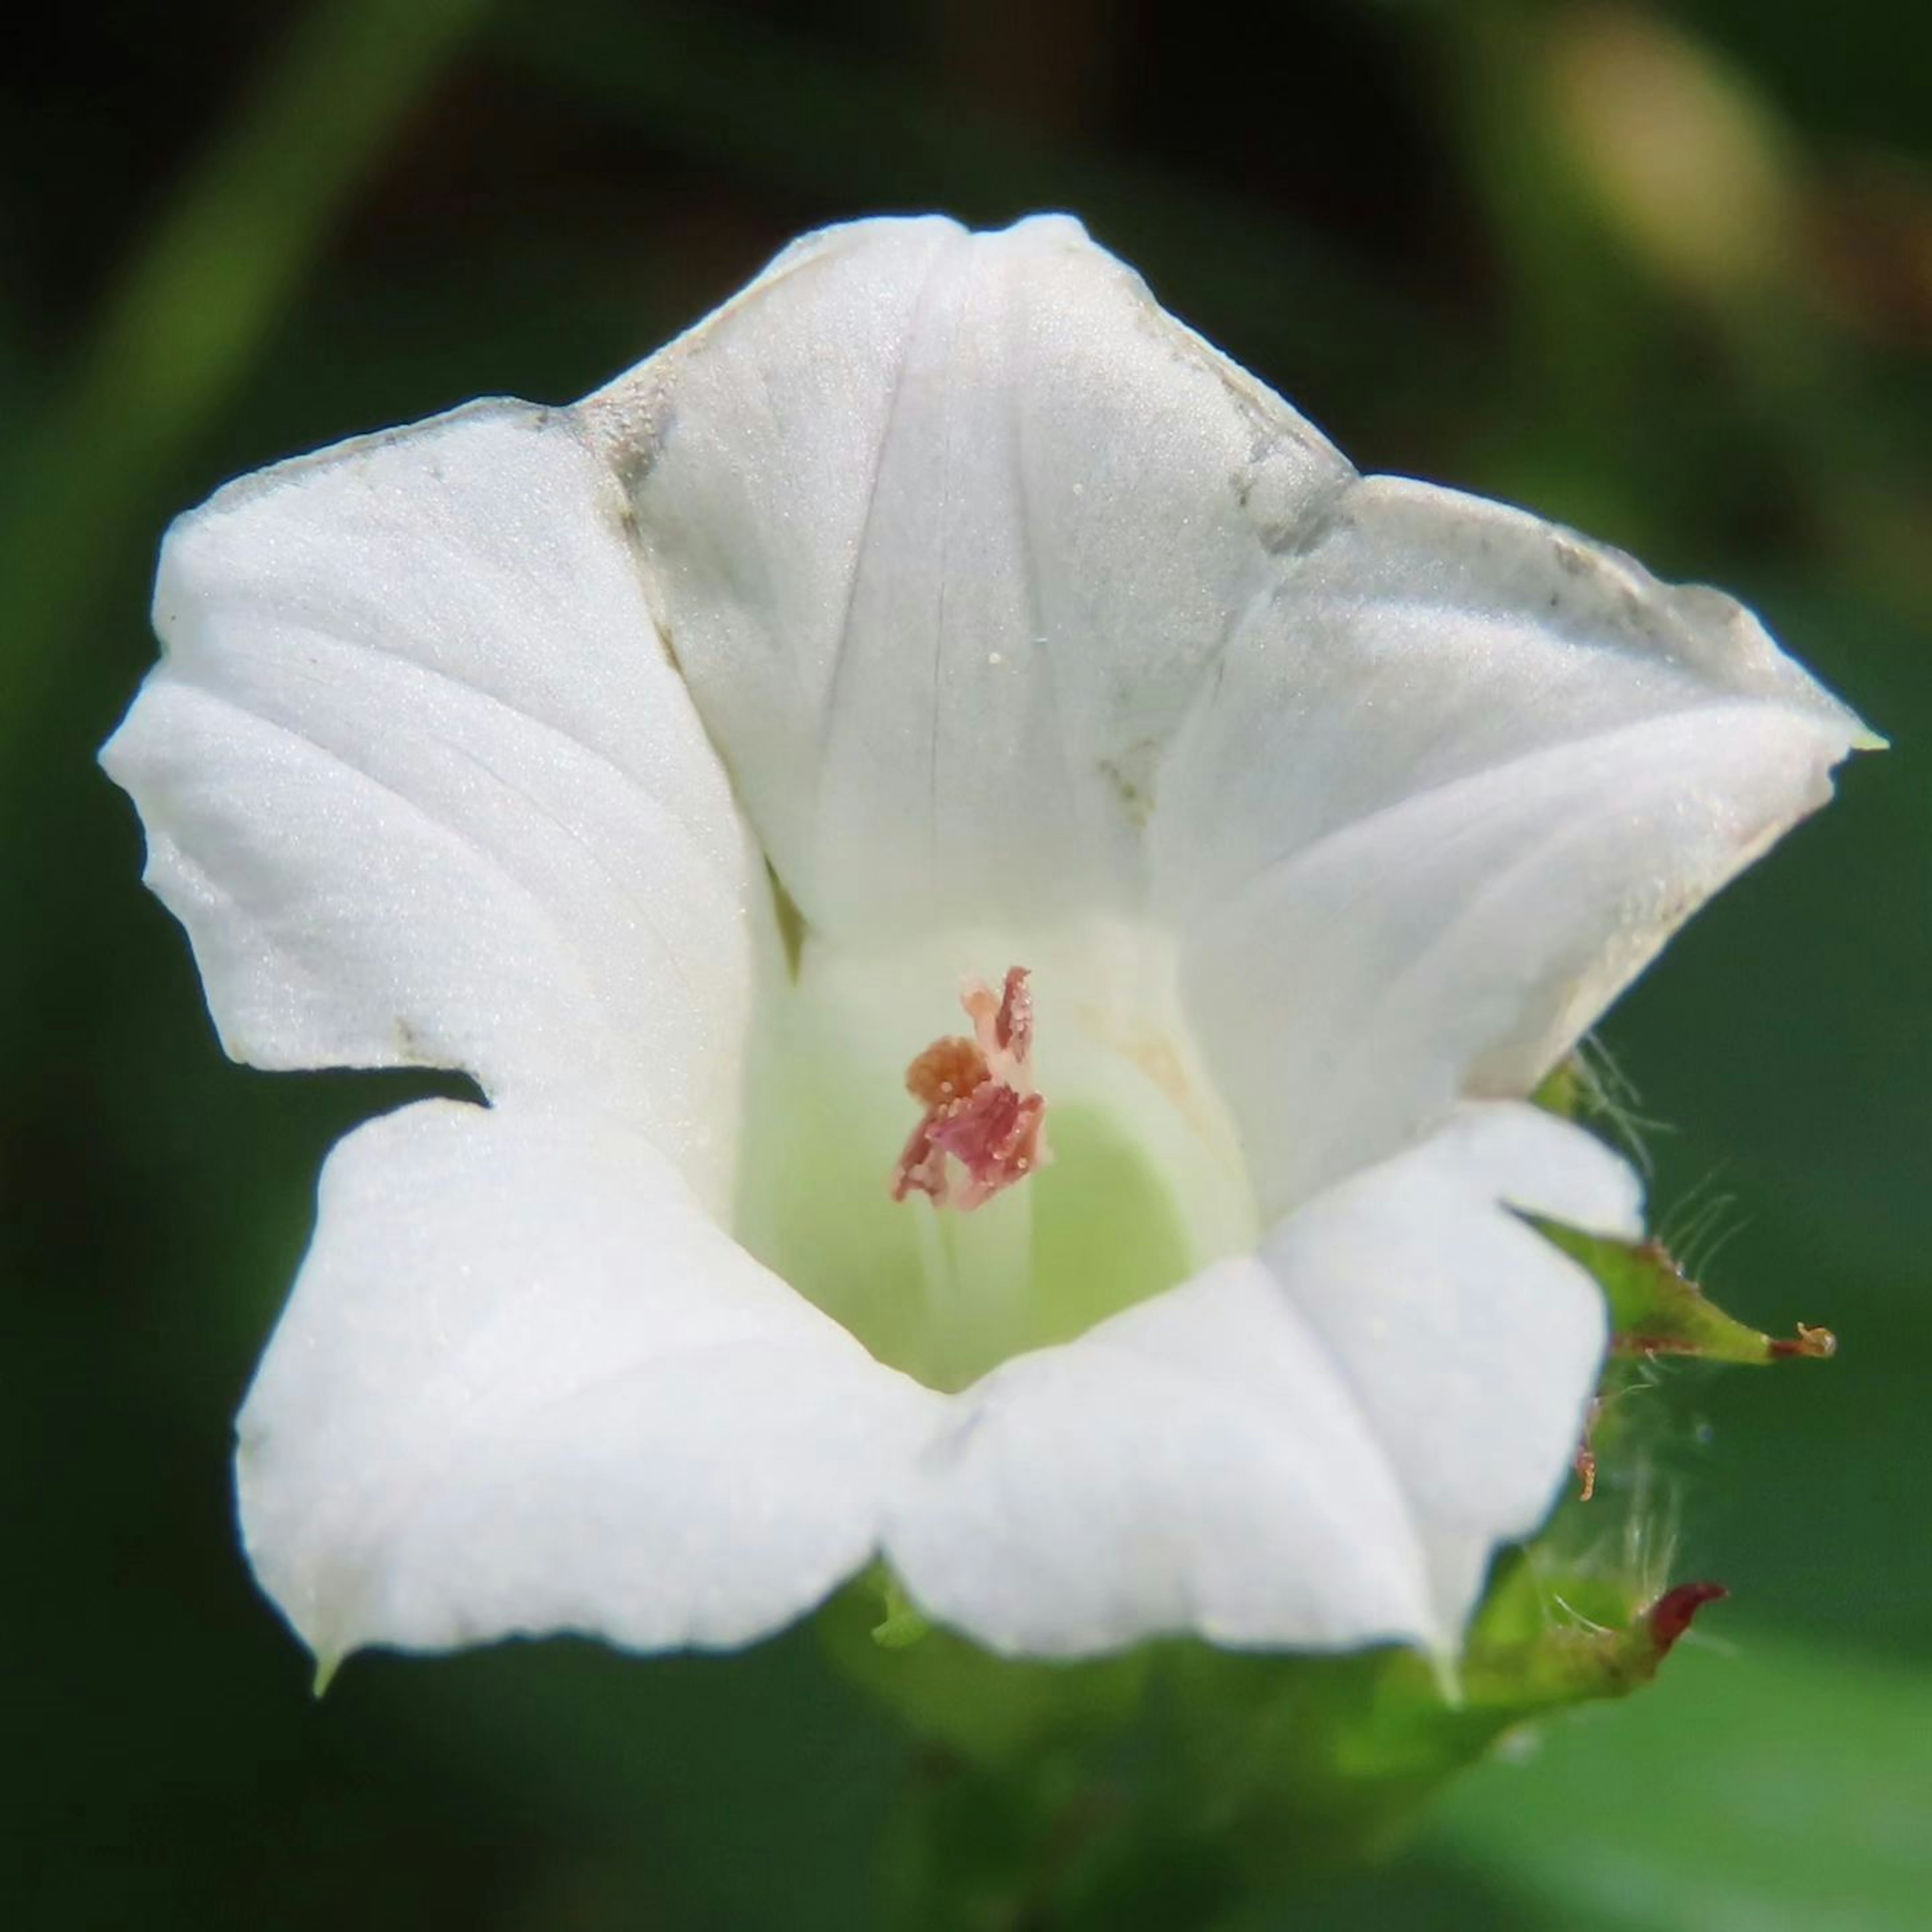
point(1460, 943)
point(524, 1384)
point(1191, 1466)
point(1470, 1344)
point(948, 529)
point(1456, 779)
point(1318, 1447)
point(421, 782)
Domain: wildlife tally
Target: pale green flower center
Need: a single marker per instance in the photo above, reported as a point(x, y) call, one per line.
point(1146, 1184)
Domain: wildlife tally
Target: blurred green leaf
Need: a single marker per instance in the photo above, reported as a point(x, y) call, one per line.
point(745, 96)
point(1780, 1788)
point(177, 336)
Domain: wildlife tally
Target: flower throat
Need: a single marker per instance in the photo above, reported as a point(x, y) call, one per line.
point(943, 1263)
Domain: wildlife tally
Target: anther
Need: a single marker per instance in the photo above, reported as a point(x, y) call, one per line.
point(984, 1127)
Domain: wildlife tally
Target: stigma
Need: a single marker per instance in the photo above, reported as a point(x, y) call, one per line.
point(984, 1128)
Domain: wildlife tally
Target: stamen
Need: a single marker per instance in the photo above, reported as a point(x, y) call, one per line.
point(984, 1127)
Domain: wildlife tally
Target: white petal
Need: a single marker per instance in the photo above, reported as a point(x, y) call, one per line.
point(1461, 941)
point(945, 530)
point(1418, 637)
point(1457, 781)
point(1001, 591)
point(1470, 1345)
point(1195, 1464)
point(1319, 1448)
point(946, 527)
point(421, 782)
point(525, 1384)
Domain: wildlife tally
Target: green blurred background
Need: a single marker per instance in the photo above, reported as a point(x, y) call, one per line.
point(1666, 274)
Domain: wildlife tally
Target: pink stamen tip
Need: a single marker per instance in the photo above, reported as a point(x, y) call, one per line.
point(984, 1127)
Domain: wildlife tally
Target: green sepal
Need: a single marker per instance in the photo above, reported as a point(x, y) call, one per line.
point(901, 1623)
point(1657, 1310)
point(1069, 1793)
point(1570, 1088)
point(1218, 1770)
point(994, 1711)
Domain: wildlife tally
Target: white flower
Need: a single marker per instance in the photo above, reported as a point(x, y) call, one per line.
point(939, 605)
